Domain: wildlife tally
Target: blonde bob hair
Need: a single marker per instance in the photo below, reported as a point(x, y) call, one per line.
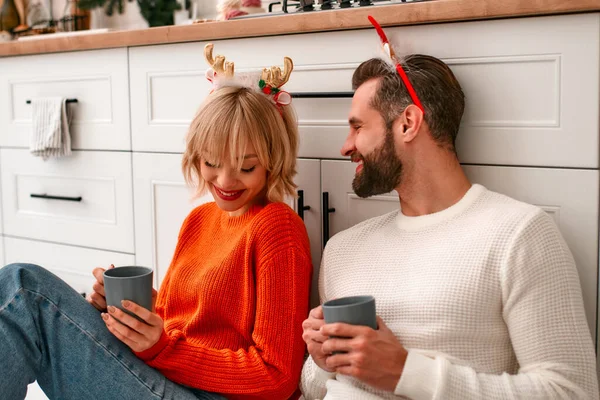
point(229, 118)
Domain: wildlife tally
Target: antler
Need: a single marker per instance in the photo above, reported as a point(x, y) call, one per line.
point(218, 64)
point(274, 77)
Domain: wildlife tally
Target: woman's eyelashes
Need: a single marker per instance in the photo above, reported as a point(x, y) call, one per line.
point(245, 170)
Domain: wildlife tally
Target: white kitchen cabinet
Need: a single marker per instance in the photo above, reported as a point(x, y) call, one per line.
point(525, 81)
point(97, 79)
point(168, 82)
point(162, 201)
point(167, 87)
point(531, 86)
point(84, 199)
point(72, 264)
point(308, 180)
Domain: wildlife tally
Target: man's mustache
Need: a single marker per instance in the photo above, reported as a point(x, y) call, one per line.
point(355, 157)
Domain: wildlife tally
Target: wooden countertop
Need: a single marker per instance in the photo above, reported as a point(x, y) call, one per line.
point(389, 15)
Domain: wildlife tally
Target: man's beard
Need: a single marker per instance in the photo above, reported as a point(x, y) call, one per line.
point(381, 172)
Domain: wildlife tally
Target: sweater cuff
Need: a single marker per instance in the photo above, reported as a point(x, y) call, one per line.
point(321, 376)
point(420, 377)
point(153, 351)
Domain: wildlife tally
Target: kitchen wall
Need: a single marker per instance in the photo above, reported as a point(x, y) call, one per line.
point(207, 8)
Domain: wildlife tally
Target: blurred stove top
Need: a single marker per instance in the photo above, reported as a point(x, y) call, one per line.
point(285, 7)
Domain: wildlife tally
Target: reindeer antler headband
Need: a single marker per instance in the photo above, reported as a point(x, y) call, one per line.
point(222, 73)
point(217, 64)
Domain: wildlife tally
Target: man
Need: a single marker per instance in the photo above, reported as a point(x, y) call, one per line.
point(477, 294)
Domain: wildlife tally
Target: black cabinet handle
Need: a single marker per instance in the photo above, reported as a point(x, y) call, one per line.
point(68, 101)
point(273, 4)
point(322, 95)
point(326, 211)
point(50, 197)
point(301, 206)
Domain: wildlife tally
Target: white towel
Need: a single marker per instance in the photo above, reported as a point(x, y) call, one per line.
point(50, 135)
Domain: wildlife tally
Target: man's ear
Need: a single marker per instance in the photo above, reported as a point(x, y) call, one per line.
point(409, 123)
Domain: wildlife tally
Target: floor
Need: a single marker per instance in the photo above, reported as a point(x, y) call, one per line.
point(35, 393)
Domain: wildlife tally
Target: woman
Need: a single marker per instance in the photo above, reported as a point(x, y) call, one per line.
point(227, 319)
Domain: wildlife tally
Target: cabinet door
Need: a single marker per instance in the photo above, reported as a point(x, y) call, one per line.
point(162, 201)
point(309, 191)
point(571, 198)
point(350, 209)
point(167, 85)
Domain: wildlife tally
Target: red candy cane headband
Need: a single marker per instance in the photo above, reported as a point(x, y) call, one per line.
point(388, 49)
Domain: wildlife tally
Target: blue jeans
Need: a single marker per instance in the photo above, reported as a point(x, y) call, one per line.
point(50, 333)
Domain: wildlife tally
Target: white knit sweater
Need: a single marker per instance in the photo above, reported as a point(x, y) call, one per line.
point(484, 295)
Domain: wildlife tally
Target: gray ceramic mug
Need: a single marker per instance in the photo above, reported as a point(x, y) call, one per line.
point(128, 283)
point(354, 310)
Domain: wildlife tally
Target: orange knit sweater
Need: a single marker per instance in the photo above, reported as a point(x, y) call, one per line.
point(233, 302)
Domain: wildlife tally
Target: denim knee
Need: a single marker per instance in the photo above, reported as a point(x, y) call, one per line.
point(19, 273)
point(16, 267)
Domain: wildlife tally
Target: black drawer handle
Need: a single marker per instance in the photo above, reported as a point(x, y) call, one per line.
point(301, 206)
point(322, 95)
point(326, 212)
point(50, 197)
point(273, 4)
point(68, 101)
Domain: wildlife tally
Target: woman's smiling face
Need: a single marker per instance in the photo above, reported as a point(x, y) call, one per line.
point(235, 191)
